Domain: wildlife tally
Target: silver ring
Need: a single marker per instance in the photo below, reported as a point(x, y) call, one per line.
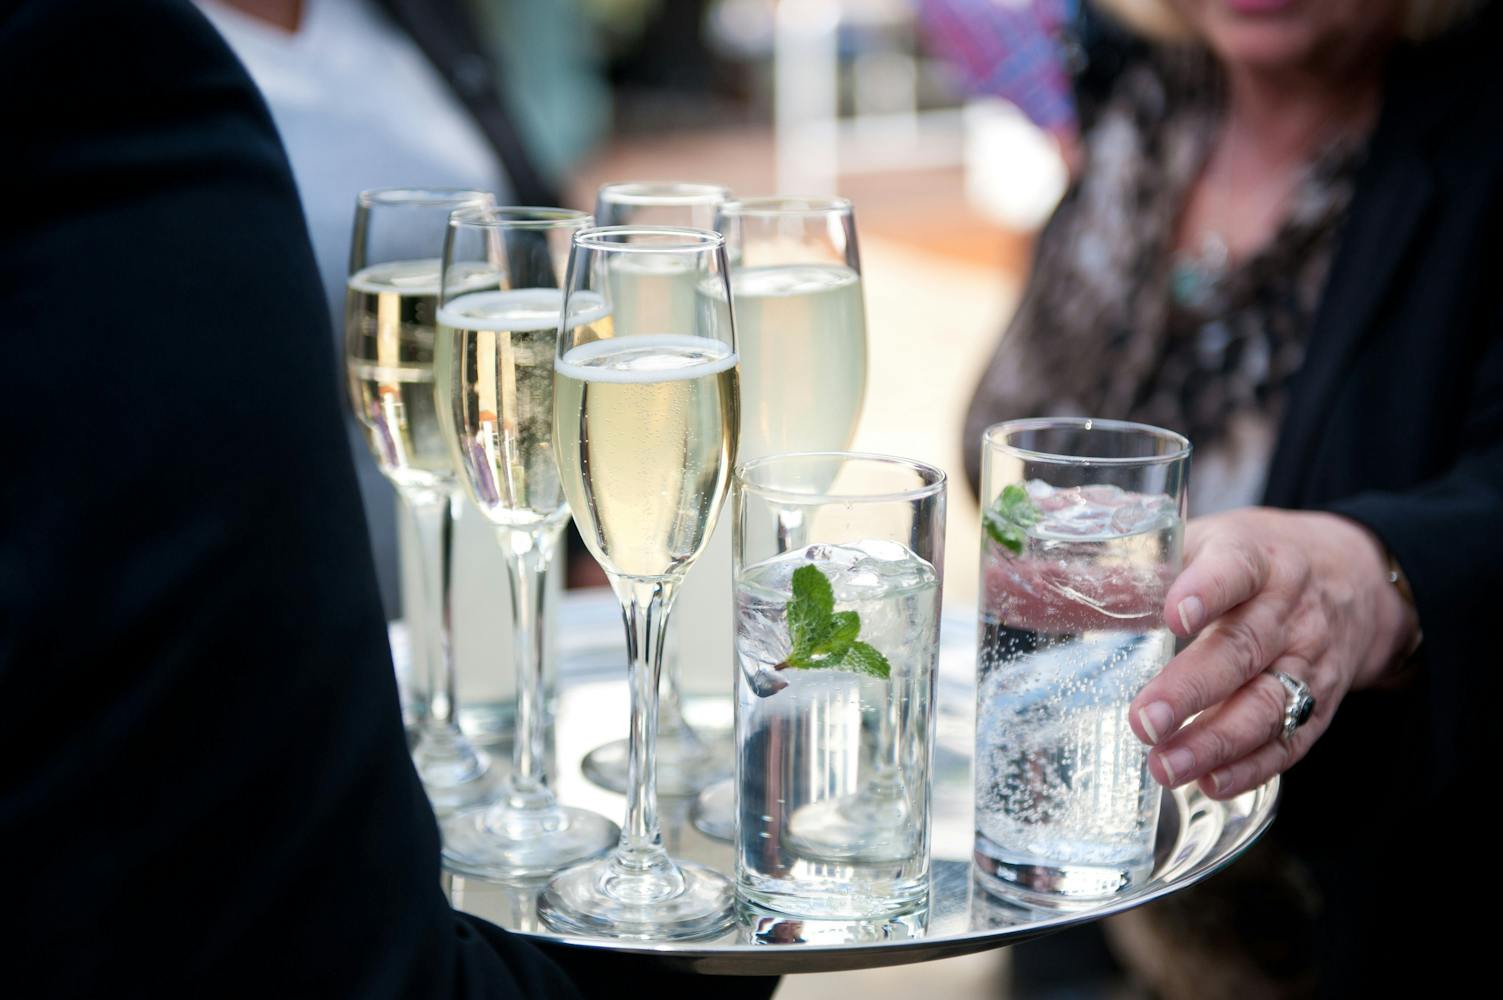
point(1299, 703)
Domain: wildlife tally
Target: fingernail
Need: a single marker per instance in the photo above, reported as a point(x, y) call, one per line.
point(1217, 781)
point(1176, 763)
point(1156, 720)
point(1191, 614)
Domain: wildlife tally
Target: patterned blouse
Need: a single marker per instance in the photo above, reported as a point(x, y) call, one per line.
point(1108, 325)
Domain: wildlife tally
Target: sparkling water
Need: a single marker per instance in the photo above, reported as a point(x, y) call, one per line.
point(1071, 630)
point(835, 766)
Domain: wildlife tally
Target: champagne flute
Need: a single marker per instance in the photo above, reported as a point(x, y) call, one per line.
point(645, 424)
point(659, 203)
point(391, 302)
point(801, 333)
point(498, 321)
point(660, 290)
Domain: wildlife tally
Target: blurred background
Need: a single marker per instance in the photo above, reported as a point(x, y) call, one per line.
point(808, 97)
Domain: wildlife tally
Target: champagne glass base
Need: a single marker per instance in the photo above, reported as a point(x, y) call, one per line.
point(680, 901)
point(454, 774)
point(686, 764)
point(714, 813)
point(499, 843)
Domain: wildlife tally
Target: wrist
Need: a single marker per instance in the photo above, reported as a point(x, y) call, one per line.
point(1411, 636)
point(1396, 633)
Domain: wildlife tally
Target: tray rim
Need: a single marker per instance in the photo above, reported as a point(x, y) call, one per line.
point(595, 608)
point(764, 960)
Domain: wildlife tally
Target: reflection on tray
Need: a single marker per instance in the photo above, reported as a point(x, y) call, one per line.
point(764, 927)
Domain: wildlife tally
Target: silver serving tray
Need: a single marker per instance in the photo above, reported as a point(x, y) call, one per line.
point(1198, 836)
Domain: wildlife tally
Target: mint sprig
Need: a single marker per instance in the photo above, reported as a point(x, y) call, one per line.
point(823, 638)
point(1008, 519)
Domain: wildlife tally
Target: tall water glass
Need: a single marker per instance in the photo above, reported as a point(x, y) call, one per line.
point(838, 568)
point(1082, 526)
point(645, 427)
point(661, 290)
point(801, 330)
point(390, 317)
point(499, 314)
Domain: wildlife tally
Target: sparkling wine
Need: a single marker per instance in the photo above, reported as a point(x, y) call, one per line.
point(801, 334)
point(645, 429)
point(493, 381)
point(389, 316)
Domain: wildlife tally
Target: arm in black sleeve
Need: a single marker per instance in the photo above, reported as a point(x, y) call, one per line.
point(204, 790)
point(1447, 536)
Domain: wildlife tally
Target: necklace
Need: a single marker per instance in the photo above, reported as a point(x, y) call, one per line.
point(1195, 278)
point(1198, 276)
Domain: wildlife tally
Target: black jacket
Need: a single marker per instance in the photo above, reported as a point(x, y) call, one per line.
point(204, 785)
point(1396, 420)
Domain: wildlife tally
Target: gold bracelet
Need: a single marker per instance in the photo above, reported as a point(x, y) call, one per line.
point(1401, 583)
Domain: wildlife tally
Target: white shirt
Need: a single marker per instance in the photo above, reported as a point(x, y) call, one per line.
point(358, 106)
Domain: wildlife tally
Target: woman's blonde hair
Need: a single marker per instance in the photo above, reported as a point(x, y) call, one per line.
point(1160, 21)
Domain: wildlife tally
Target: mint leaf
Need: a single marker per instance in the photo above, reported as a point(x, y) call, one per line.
point(844, 627)
point(1019, 505)
point(809, 611)
point(821, 637)
point(1008, 519)
point(813, 587)
point(863, 659)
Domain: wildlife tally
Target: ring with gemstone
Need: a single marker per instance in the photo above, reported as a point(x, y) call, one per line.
point(1299, 703)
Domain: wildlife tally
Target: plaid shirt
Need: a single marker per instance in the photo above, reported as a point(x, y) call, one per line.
point(1013, 49)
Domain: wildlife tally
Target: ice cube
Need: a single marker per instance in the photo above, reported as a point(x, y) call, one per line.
point(1100, 510)
point(762, 635)
point(766, 682)
point(863, 572)
point(1142, 514)
point(1104, 495)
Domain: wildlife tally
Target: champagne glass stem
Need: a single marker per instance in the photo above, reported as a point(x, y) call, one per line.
point(529, 555)
point(670, 705)
point(433, 516)
point(644, 607)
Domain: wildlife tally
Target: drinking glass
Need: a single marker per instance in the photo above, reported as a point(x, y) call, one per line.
point(661, 290)
point(1080, 542)
point(801, 333)
point(645, 426)
point(659, 203)
point(500, 309)
point(391, 305)
point(838, 566)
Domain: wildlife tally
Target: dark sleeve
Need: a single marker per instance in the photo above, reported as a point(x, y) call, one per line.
point(204, 789)
point(1447, 535)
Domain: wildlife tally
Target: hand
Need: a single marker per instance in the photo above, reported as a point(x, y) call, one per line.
point(1304, 593)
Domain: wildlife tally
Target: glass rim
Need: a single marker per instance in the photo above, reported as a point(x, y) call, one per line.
point(936, 478)
point(791, 206)
point(662, 193)
point(519, 217)
point(690, 240)
point(420, 197)
point(992, 437)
